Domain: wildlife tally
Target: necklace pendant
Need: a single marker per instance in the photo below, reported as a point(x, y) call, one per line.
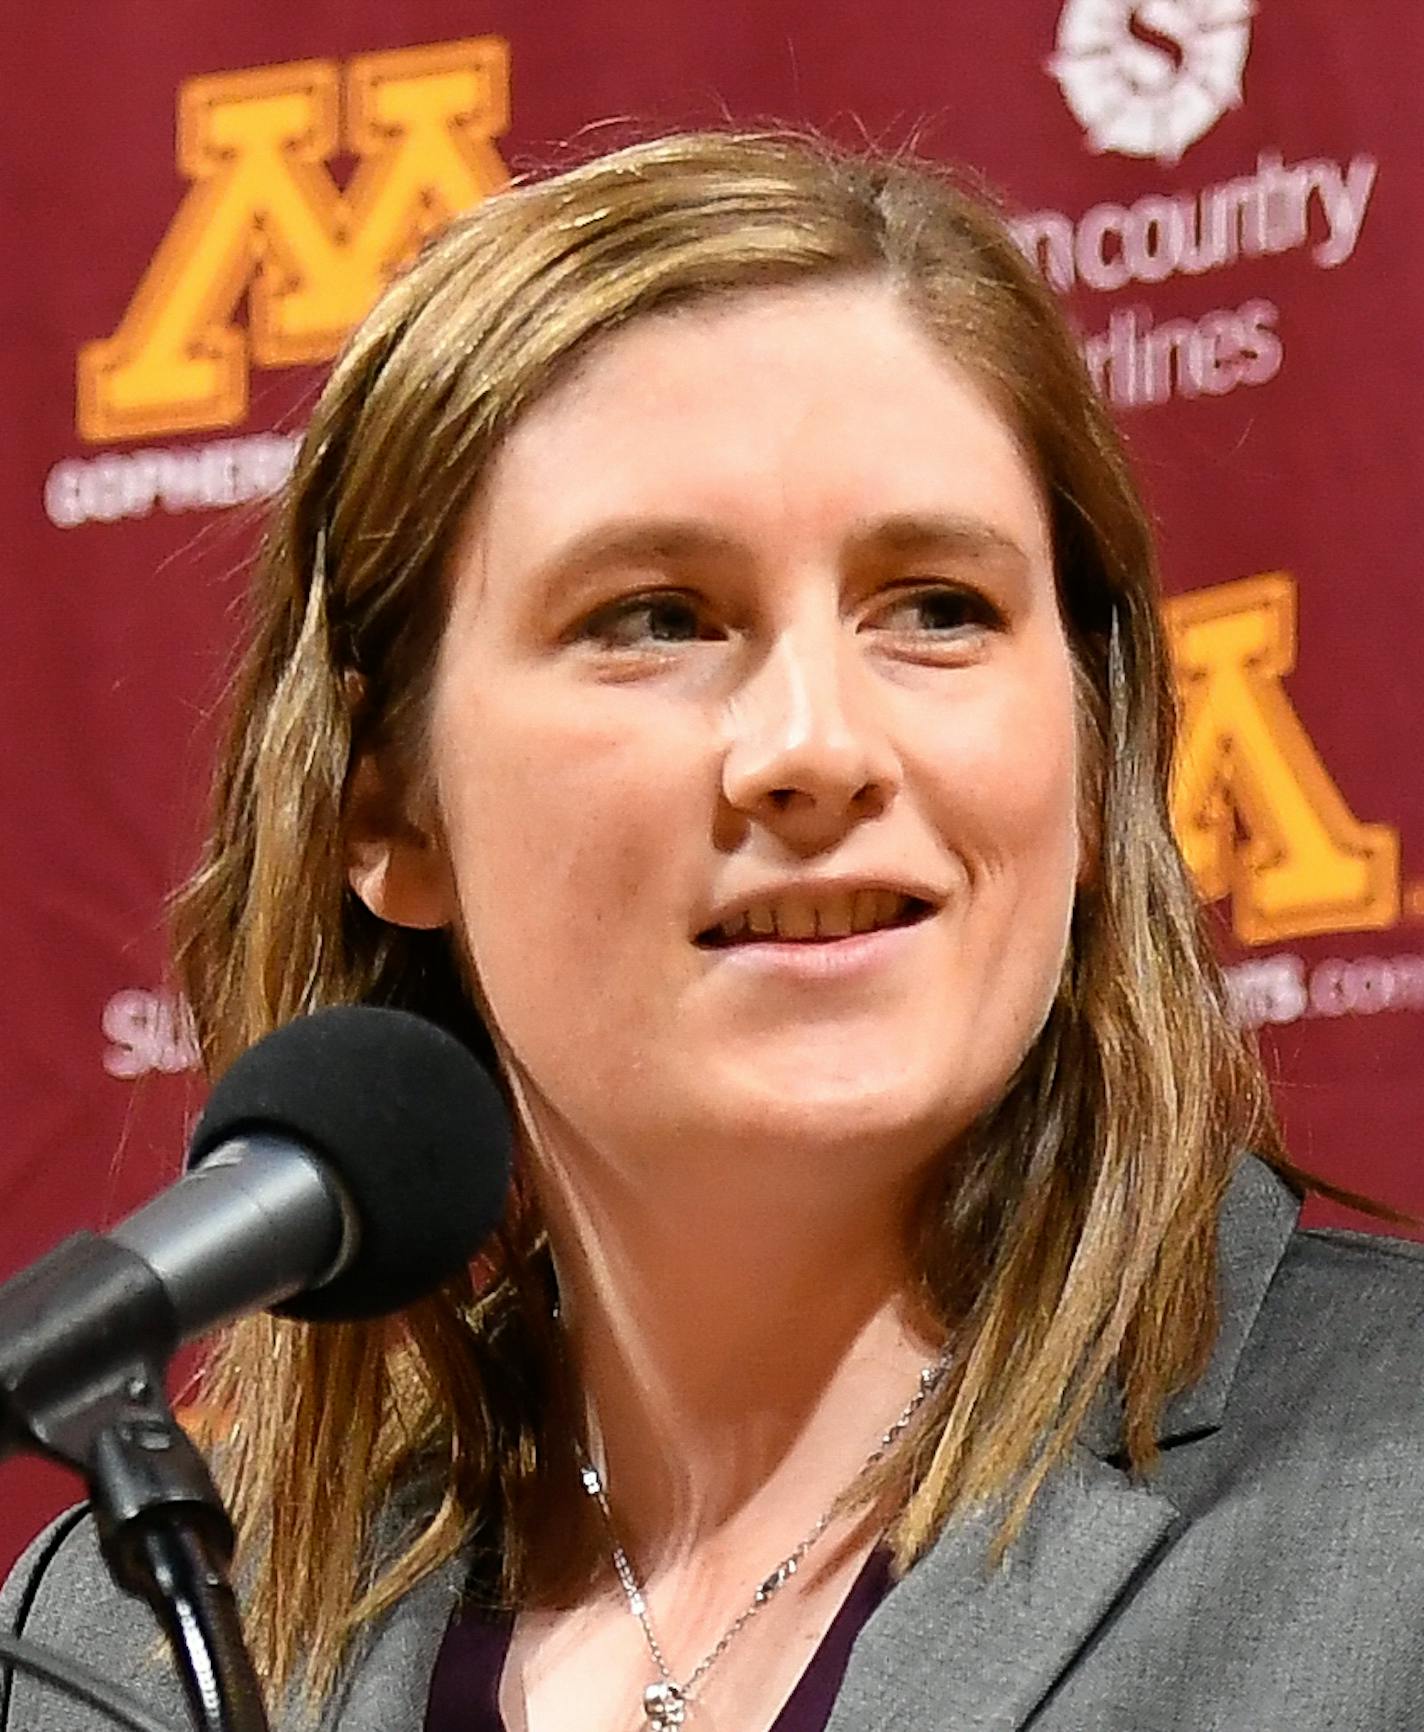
point(664, 1705)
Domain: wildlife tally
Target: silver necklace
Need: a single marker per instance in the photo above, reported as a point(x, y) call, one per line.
point(665, 1701)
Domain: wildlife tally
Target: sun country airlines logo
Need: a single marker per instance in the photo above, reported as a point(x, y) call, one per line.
point(1151, 78)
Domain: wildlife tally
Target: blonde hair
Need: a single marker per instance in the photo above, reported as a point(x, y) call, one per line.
point(1073, 1237)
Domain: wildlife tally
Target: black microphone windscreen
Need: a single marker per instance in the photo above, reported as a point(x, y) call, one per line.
point(409, 1121)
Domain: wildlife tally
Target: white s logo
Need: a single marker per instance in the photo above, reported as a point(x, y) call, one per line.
point(1150, 77)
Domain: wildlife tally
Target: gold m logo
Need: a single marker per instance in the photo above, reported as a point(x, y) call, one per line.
point(1255, 810)
point(264, 218)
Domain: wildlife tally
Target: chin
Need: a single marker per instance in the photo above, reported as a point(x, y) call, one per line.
point(820, 1111)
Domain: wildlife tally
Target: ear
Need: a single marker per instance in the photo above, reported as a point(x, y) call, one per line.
point(395, 865)
point(1090, 855)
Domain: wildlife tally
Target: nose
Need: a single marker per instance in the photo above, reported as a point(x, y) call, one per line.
point(808, 755)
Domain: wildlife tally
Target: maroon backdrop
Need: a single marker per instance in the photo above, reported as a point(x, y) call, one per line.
point(202, 200)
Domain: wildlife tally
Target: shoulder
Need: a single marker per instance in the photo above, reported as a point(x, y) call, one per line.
point(60, 1596)
point(1324, 1420)
point(1343, 1324)
point(1362, 1292)
point(1310, 1415)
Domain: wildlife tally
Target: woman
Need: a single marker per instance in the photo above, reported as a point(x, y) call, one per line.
point(709, 654)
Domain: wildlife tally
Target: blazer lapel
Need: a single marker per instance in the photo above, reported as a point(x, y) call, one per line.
point(961, 1646)
point(965, 1646)
point(387, 1686)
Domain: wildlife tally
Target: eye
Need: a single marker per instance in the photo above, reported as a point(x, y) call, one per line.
point(664, 617)
point(934, 610)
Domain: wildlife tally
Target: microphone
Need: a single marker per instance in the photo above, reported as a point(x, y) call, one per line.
point(345, 1165)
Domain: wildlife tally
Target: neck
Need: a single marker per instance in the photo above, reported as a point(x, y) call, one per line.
point(742, 1341)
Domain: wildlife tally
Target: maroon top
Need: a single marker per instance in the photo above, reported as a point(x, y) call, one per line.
point(464, 1693)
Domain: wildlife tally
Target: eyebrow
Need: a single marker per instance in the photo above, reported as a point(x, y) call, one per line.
point(967, 538)
point(676, 541)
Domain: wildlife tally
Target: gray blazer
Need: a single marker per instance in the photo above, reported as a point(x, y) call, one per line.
point(1269, 1579)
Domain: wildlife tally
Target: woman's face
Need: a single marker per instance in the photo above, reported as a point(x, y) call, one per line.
point(754, 739)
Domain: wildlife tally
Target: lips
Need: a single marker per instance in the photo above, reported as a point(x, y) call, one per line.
point(815, 917)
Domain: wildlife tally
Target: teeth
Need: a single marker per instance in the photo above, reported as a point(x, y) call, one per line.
point(795, 917)
point(892, 906)
point(836, 915)
point(865, 913)
point(834, 918)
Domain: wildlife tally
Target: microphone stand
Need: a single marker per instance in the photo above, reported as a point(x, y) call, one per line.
point(85, 1334)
